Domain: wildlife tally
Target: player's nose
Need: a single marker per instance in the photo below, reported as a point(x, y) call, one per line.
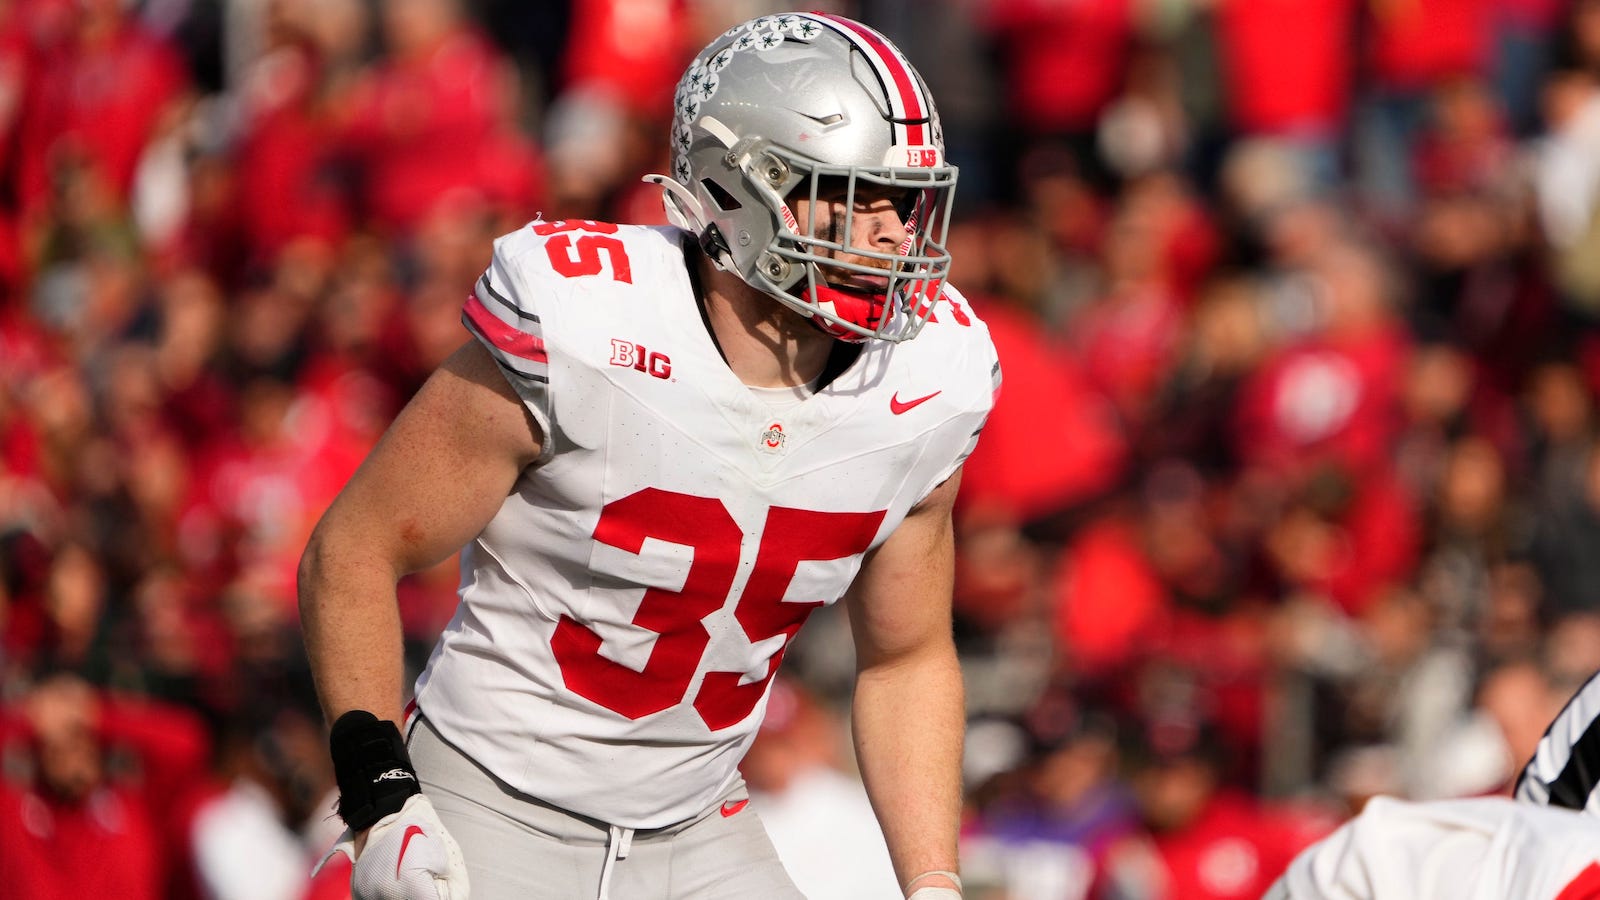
point(888, 230)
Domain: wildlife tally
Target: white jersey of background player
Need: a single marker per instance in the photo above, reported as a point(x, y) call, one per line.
point(663, 449)
point(1483, 848)
point(1544, 845)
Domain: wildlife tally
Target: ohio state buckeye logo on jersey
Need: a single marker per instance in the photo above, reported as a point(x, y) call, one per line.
point(773, 438)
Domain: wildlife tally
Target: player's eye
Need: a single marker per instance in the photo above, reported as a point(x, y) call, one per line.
point(834, 189)
point(906, 204)
point(873, 199)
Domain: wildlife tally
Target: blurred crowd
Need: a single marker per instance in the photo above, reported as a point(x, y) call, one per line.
point(1284, 503)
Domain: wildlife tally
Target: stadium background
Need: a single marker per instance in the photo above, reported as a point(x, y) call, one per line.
point(1292, 495)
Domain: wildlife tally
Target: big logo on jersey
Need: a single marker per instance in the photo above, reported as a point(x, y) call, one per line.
point(630, 355)
point(704, 524)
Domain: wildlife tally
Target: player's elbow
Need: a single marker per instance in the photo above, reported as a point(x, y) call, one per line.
point(346, 562)
point(310, 573)
point(326, 564)
point(906, 653)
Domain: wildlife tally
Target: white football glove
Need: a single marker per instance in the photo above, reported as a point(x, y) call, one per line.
point(407, 856)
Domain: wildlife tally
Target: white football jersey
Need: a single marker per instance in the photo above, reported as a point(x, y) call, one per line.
point(1484, 848)
point(623, 613)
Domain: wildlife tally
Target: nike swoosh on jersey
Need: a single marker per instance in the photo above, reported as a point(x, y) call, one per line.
point(411, 832)
point(898, 407)
point(732, 807)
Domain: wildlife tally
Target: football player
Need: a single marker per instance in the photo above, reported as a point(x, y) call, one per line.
point(661, 449)
point(1542, 845)
point(1481, 848)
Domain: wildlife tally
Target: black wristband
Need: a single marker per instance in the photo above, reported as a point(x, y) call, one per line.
point(372, 767)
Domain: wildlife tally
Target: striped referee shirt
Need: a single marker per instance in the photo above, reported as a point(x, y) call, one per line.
point(1565, 769)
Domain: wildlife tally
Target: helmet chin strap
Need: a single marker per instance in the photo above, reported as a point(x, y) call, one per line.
point(862, 308)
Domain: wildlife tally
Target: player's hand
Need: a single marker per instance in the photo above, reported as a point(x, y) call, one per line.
point(935, 893)
point(405, 856)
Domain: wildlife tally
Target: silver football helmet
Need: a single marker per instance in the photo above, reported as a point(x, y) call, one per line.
point(801, 106)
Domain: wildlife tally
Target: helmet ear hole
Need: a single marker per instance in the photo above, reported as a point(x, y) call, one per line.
point(719, 195)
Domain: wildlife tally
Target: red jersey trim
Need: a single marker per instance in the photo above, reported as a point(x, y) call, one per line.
point(504, 337)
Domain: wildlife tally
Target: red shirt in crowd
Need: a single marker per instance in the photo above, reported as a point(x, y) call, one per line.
point(124, 839)
point(1063, 61)
point(1333, 399)
point(1233, 850)
point(1110, 603)
point(287, 185)
point(1129, 342)
point(1334, 402)
point(435, 129)
point(98, 97)
point(103, 846)
point(1050, 441)
point(1379, 541)
point(1415, 43)
point(1286, 64)
point(633, 49)
point(265, 492)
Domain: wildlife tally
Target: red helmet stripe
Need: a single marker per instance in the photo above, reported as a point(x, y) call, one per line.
point(888, 61)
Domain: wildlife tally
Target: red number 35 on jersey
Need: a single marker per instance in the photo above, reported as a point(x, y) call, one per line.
point(578, 257)
point(789, 537)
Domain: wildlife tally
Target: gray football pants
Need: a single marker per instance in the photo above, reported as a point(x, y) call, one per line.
point(519, 848)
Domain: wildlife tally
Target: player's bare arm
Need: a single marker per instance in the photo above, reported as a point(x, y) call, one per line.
point(908, 713)
point(435, 479)
point(438, 475)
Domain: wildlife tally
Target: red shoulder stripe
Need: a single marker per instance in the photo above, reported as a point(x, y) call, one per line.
point(502, 336)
